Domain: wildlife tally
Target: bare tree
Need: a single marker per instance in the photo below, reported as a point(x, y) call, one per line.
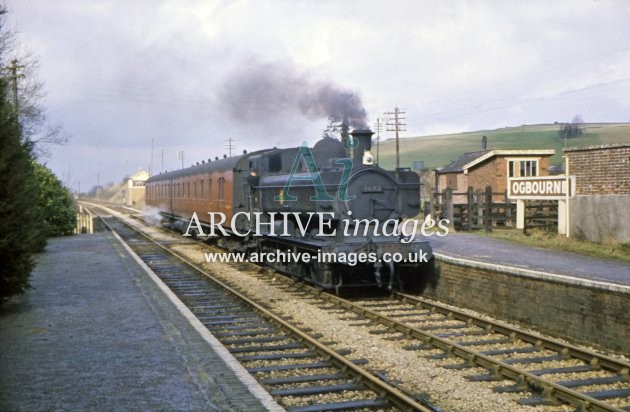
point(32, 114)
point(20, 70)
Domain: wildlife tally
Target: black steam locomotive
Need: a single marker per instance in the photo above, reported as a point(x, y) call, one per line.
point(321, 215)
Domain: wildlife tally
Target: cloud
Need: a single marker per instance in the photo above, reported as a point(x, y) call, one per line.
point(189, 75)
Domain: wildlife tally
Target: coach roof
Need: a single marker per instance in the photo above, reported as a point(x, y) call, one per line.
point(228, 163)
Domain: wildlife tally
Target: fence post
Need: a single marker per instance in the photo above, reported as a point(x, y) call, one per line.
point(487, 221)
point(447, 207)
point(478, 199)
point(507, 209)
point(470, 202)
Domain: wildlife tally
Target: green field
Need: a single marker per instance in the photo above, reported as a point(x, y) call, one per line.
point(439, 150)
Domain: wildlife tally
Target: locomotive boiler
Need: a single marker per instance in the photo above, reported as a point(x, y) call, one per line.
point(326, 214)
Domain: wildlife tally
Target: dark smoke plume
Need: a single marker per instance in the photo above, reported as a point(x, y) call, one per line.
point(260, 91)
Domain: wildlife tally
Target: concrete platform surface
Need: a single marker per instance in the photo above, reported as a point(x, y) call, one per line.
point(95, 333)
point(501, 252)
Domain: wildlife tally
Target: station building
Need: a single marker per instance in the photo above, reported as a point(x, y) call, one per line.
point(491, 168)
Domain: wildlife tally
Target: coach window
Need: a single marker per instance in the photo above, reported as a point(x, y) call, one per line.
point(221, 187)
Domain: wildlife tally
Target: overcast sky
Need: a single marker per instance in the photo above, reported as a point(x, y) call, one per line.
point(191, 74)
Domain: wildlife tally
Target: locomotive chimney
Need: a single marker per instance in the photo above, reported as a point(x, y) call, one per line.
point(364, 138)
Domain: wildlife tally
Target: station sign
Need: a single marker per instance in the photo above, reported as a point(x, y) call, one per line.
point(539, 188)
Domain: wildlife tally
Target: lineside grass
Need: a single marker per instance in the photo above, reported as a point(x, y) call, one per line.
point(549, 240)
point(439, 150)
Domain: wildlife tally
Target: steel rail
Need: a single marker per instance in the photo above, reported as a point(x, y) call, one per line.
point(592, 357)
point(550, 390)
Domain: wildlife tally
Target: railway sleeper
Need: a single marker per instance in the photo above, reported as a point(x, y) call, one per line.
point(316, 390)
point(606, 380)
point(301, 379)
point(494, 352)
point(230, 306)
point(608, 394)
point(236, 318)
point(252, 321)
point(568, 369)
point(538, 359)
point(539, 400)
point(243, 341)
point(269, 348)
point(341, 406)
point(277, 356)
point(246, 331)
point(547, 397)
point(488, 377)
point(314, 365)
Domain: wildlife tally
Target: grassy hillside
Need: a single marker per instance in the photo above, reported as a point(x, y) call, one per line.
point(439, 150)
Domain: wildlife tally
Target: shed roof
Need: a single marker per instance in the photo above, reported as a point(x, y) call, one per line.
point(470, 159)
point(458, 164)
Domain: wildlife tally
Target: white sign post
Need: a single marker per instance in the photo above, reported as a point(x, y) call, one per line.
point(541, 188)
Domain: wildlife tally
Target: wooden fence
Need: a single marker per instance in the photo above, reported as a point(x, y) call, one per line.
point(485, 209)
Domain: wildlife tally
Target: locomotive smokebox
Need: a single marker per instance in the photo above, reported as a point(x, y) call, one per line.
point(364, 139)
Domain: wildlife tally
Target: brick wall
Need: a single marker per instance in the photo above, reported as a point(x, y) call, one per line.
point(485, 174)
point(601, 170)
point(573, 311)
point(495, 172)
point(457, 181)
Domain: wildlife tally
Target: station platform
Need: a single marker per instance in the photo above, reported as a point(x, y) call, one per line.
point(500, 252)
point(96, 333)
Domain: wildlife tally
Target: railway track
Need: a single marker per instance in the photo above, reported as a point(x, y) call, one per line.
point(552, 371)
point(301, 373)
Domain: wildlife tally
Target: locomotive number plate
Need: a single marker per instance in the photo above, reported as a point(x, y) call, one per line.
point(372, 189)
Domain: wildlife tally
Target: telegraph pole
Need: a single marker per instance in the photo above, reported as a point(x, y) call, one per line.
point(180, 155)
point(396, 124)
point(229, 146)
point(14, 78)
point(378, 127)
point(151, 163)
